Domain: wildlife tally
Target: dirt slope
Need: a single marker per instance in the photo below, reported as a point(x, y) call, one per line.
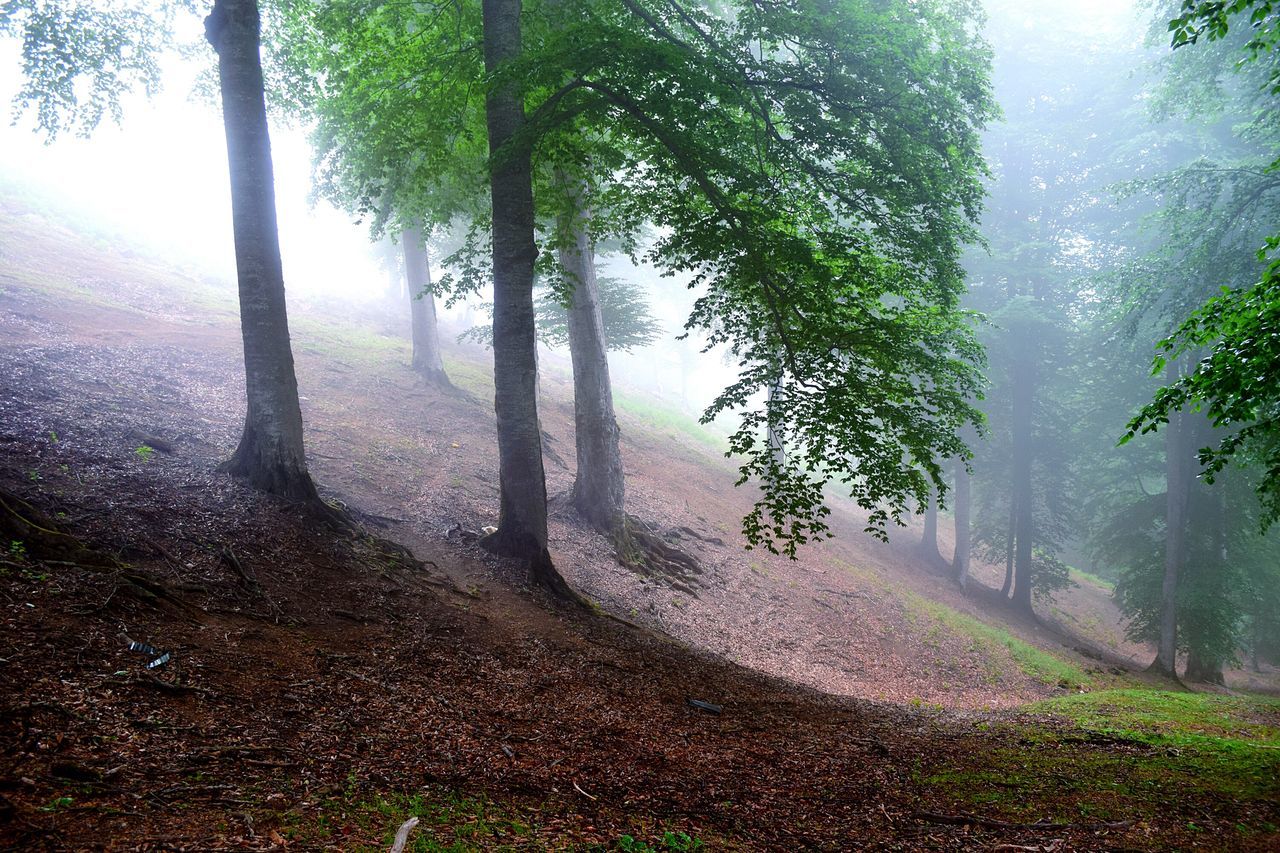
point(316, 674)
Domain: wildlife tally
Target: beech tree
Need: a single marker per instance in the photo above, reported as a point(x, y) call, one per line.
point(816, 187)
point(70, 48)
point(424, 333)
point(1236, 382)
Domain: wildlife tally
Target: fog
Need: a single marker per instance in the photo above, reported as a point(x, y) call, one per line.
point(1062, 278)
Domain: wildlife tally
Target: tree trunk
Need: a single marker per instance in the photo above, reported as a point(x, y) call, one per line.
point(598, 489)
point(1024, 517)
point(1007, 586)
point(270, 455)
point(1203, 669)
point(427, 362)
point(928, 547)
point(522, 519)
point(776, 446)
point(1177, 489)
point(963, 497)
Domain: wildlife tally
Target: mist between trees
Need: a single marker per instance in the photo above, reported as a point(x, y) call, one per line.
point(944, 257)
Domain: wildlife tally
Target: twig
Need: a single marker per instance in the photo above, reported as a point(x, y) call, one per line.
point(582, 792)
point(402, 835)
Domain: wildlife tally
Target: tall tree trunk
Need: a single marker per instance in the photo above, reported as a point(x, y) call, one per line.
point(1012, 529)
point(1177, 490)
point(1024, 518)
point(963, 498)
point(928, 547)
point(522, 519)
point(598, 489)
point(270, 455)
point(427, 362)
point(777, 447)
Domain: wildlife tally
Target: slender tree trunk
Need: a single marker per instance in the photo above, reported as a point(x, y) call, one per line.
point(598, 489)
point(776, 445)
point(1007, 586)
point(928, 547)
point(270, 455)
point(1178, 482)
point(522, 519)
point(427, 362)
point(963, 498)
point(1024, 518)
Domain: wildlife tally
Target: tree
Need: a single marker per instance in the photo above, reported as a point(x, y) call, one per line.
point(599, 492)
point(423, 330)
point(819, 208)
point(1237, 382)
point(114, 50)
point(270, 455)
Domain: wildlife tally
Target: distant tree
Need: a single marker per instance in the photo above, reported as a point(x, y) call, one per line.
point(1238, 382)
point(623, 309)
point(818, 204)
point(1218, 205)
point(78, 59)
point(424, 333)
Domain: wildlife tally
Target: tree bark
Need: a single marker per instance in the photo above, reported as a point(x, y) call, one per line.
point(1177, 490)
point(928, 547)
point(522, 519)
point(777, 447)
point(427, 362)
point(1024, 378)
point(963, 498)
point(1007, 586)
point(598, 489)
point(270, 455)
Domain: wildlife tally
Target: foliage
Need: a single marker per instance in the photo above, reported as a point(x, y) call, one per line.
point(79, 57)
point(1236, 383)
point(814, 168)
point(1212, 18)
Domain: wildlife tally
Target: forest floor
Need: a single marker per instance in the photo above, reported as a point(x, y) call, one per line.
point(322, 688)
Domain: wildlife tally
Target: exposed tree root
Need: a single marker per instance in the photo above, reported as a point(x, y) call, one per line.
point(642, 549)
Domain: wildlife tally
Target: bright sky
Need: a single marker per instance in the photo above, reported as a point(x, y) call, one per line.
point(162, 178)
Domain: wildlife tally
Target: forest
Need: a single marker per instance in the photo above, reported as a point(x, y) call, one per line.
point(640, 425)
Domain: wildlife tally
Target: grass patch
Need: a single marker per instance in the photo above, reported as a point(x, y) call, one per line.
point(1082, 577)
point(447, 822)
point(1163, 718)
point(1036, 663)
point(660, 417)
point(450, 822)
point(1122, 754)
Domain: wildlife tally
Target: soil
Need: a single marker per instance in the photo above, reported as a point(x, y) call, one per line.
point(310, 666)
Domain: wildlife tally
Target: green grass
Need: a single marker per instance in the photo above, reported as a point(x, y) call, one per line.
point(1034, 662)
point(450, 822)
point(1083, 577)
point(662, 418)
point(1120, 754)
point(1164, 718)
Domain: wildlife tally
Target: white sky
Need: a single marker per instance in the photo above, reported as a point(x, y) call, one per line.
point(162, 178)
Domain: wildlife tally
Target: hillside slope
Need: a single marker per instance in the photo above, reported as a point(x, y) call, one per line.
point(323, 687)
